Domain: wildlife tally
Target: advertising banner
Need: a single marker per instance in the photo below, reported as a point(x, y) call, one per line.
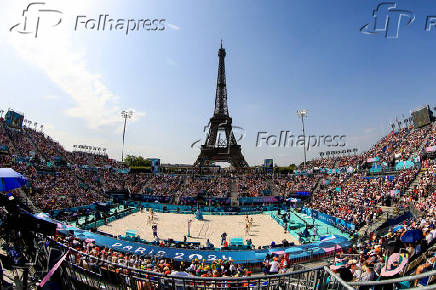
point(325, 218)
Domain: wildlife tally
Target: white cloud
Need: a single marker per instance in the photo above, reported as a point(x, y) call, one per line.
point(49, 97)
point(173, 26)
point(53, 53)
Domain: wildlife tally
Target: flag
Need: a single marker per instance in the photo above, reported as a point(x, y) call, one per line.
point(51, 272)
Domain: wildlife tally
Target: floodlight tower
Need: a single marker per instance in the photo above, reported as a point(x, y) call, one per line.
point(125, 115)
point(303, 114)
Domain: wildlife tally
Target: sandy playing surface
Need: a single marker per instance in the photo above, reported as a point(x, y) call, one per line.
point(170, 225)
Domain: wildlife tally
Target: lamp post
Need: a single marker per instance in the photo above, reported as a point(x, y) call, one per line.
point(303, 114)
point(125, 115)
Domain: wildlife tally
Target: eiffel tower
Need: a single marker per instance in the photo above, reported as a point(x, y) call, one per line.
point(220, 144)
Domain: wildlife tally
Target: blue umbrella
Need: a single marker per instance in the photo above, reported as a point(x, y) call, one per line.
point(411, 236)
point(9, 179)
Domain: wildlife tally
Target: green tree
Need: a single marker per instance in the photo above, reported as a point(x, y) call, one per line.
point(137, 161)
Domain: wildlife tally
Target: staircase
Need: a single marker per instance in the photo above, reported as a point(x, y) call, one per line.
point(416, 180)
point(146, 185)
point(234, 194)
point(35, 148)
point(318, 185)
point(388, 212)
point(178, 192)
point(272, 187)
point(24, 199)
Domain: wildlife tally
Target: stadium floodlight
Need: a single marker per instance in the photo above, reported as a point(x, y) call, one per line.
point(125, 115)
point(303, 114)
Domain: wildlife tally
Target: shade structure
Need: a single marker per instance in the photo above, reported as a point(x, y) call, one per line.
point(327, 238)
point(10, 179)
point(394, 265)
point(411, 236)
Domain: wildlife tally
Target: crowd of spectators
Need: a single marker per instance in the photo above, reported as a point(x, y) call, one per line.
point(386, 146)
point(22, 144)
point(252, 186)
point(90, 257)
point(45, 145)
point(327, 162)
point(409, 145)
point(60, 190)
point(392, 255)
point(349, 196)
point(215, 186)
point(356, 198)
point(294, 183)
point(431, 138)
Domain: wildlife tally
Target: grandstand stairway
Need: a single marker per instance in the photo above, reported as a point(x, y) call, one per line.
point(35, 148)
point(337, 163)
point(177, 192)
point(26, 200)
point(273, 189)
point(415, 182)
point(421, 147)
point(389, 212)
point(234, 194)
point(145, 186)
point(318, 185)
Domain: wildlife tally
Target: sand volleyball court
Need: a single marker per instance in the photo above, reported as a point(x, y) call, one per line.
point(263, 231)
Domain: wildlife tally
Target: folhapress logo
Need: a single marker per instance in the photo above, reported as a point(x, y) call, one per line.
point(388, 19)
point(36, 15)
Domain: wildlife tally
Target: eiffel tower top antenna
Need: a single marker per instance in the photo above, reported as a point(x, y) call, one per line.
point(221, 107)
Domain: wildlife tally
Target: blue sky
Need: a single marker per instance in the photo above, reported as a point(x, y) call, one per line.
point(281, 56)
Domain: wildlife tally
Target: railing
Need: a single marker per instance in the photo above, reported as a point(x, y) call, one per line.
point(72, 276)
point(105, 275)
point(414, 211)
point(403, 282)
point(75, 277)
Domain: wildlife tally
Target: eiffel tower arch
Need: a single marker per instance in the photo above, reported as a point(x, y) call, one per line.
point(220, 144)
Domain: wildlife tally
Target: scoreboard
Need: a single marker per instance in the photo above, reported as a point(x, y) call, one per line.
point(422, 117)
